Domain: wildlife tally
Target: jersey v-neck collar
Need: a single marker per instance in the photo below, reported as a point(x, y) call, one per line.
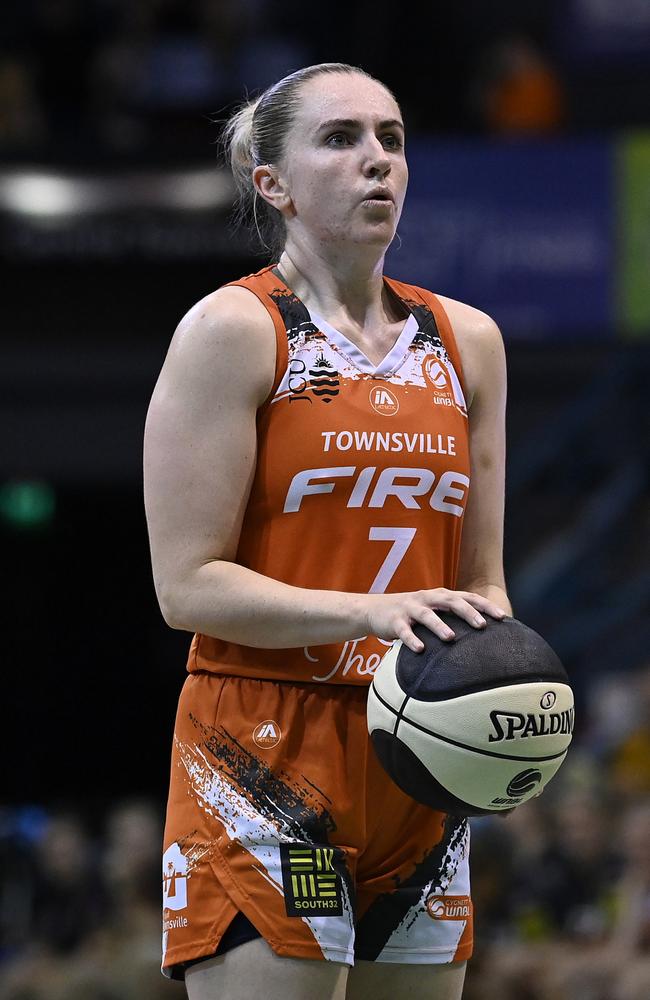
point(391, 360)
point(388, 364)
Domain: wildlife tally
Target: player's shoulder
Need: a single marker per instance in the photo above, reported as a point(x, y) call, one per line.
point(480, 345)
point(466, 321)
point(227, 311)
point(469, 321)
point(477, 334)
point(216, 336)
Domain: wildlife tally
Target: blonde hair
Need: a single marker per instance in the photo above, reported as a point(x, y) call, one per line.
point(257, 133)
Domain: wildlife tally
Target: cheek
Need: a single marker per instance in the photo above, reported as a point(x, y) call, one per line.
point(317, 197)
point(403, 179)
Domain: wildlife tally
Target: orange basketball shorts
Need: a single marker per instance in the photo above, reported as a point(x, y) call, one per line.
point(279, 808)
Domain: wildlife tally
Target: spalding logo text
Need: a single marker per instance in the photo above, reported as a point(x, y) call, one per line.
point(520, 726)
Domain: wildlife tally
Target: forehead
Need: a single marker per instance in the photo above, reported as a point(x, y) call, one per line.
point(343, 95)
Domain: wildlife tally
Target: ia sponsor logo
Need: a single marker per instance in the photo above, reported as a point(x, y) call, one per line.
point(384, 401)
point(267, 735)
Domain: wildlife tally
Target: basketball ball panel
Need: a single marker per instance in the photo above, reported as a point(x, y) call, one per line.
point(480, 781)
point(379, 717)
point(385, 679)
point(504, 652)
point(415, 780)
point(506, 720)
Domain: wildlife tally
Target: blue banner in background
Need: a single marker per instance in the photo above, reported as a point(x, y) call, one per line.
point(523, 230)
point(609, 31)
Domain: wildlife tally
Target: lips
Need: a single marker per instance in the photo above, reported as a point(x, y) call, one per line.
point(379, 194)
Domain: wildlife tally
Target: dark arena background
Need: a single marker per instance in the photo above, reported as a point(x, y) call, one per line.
point(528, 131)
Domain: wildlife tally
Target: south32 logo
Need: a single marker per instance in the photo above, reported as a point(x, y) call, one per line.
point(321, 380)
point(312, 878)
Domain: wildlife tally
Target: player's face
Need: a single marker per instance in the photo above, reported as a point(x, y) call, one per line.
point(344, 161)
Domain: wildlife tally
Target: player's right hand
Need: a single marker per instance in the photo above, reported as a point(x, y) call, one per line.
point(391, 616)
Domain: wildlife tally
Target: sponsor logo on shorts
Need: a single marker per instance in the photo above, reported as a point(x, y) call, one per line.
point(384, 401)
point(449, 907)
point(312, 878)
point(268, 734)
point(175, 883)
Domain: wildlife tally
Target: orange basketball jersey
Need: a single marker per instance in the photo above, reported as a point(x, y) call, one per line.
point(362, 475)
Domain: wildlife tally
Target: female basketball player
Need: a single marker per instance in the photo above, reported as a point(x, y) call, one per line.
point(307, 471)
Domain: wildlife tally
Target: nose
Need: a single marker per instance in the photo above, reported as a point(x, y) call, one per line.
point(376, 162)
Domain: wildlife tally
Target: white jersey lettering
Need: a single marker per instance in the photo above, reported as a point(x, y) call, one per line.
point(426, 443)
point(391, 482)
point(446, 489)
point(301, 485)
point(405, 493)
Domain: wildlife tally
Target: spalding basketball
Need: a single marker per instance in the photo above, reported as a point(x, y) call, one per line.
point(473, 726)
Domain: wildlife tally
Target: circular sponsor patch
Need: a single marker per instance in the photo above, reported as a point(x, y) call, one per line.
point(437, 374)
point(383, 400)
point(267, 734)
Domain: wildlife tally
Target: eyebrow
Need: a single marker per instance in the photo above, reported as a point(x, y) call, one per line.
point(355, 123)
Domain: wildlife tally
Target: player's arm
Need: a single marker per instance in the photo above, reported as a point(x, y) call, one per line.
point(199, 463)
point(484, 366)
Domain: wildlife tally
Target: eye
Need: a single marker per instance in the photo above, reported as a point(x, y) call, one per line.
point(392, 141)
point(338, 139)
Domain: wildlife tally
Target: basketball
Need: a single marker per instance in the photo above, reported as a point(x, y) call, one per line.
point(473, 726)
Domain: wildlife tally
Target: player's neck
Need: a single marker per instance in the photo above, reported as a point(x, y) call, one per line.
point(336, 288)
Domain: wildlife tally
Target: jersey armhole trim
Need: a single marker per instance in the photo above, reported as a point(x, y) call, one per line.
point(449, 339)
point(281, 345)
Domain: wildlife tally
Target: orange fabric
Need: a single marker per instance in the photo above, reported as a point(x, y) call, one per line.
point(362, 475)
point(261, 769)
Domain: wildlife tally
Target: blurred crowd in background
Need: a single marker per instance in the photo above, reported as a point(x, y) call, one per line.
point(82, 76)
point(561, 885)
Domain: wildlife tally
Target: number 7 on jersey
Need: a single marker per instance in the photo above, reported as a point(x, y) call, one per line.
point(401, 539)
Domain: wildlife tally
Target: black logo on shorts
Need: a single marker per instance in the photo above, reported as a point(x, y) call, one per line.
point(313, 880)
point(524, 782)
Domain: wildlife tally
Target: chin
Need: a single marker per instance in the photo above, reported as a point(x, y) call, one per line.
point(376, 239)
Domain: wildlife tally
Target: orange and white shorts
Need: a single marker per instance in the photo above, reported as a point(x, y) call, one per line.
point(279, 809)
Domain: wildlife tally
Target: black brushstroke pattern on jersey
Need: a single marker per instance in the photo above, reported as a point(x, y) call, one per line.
point(295, 315)
point(294, 808)
point(427, 327)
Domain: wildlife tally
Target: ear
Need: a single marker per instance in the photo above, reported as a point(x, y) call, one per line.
point(273, 188)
